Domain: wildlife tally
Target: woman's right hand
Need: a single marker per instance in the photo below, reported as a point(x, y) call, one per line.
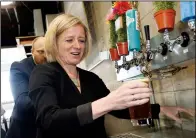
point(132, 93)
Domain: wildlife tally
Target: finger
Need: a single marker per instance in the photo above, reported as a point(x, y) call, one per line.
point(188, 111)
point(174, 118)
point(171, 115)
point(140, 96)
point(139, 90)
point(136, 84)
point(138, 102)
point(192, 112)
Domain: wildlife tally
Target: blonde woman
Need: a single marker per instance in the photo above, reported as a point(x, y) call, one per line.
point(71, 102)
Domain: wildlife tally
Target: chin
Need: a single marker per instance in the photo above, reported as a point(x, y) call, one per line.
point(75, 62)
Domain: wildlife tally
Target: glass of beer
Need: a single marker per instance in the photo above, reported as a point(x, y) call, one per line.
point(140, 112)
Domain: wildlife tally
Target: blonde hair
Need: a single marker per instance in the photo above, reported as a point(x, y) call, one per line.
point(35, 41)
point(57, 27)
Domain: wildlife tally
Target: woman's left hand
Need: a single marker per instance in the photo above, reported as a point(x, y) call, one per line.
point(172, 111)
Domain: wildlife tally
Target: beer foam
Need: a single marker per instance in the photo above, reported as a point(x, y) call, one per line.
point(144, 80)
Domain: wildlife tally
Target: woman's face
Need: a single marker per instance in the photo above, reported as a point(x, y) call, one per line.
point(71, 45)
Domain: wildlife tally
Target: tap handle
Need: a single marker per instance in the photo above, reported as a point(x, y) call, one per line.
point(186, 39)
point(164, 49)
point(149, 56)
point(147, 32)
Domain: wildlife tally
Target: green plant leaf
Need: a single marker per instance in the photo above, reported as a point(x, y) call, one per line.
point(164, 5)
point(113, 35)
point(122, 32)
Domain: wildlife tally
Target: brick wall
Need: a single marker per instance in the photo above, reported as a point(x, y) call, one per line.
point(178, 90)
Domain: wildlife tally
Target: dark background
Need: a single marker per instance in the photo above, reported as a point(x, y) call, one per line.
point(9, 28)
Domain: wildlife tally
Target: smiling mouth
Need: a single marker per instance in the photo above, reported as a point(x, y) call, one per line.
point(75, 53)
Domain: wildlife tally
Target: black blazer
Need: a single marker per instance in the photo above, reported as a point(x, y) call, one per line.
point(61, 110)
point(23, 116)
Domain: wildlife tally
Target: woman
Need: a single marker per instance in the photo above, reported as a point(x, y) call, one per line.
point(71, 102)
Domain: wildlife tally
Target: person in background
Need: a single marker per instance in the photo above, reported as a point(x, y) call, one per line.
point(22, 122)
point(71, 102)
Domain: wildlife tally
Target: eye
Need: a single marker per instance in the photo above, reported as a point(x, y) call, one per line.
point(69, 40)
point(82, 41)
point(40, 51)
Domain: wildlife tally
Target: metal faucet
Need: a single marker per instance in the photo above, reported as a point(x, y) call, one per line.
point(117, 67)
point(127, 64)
point(191, 24)
point(162, 48)
point(182, 40)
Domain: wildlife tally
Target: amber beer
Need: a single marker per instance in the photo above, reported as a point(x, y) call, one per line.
point(141, 111)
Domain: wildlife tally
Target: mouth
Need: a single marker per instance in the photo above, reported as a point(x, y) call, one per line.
point(75, 53)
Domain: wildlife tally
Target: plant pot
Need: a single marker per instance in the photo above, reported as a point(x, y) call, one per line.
point(114, 54)
point(122, 48)
point(165, 19)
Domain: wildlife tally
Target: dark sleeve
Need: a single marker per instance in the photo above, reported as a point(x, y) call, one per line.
point(124, 114)
point(50, 116)
point(19, 85)
point(155, 110)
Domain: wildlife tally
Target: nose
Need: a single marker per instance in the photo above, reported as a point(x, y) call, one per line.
point(77, 44)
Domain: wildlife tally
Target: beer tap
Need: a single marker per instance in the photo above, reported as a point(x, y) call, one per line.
point(162, 48)
point(182, 40)
point(117, 67)
point(188, 15)
point(191, 24)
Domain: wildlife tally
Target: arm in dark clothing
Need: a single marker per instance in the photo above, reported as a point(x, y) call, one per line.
point(19, 85)
point(50, 116)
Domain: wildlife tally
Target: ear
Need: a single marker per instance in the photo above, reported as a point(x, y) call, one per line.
point(32, 51)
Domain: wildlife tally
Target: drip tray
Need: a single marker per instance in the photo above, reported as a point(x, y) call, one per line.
point(126, 135)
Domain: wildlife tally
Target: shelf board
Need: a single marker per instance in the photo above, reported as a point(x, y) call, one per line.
point(26, 37)
point(28, 54)
point(27, 45)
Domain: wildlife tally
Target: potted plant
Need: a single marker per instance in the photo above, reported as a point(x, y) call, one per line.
point(120, 9)
point(164, 15)
point(122, 38)
point(112, 38)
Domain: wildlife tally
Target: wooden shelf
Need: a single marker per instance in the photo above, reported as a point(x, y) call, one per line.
point(25, 40)
point(26, 37)
point(27, 45)
point(28, 54)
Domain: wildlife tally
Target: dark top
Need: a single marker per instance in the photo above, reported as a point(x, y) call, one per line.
point(23, 117)
point(62, 111)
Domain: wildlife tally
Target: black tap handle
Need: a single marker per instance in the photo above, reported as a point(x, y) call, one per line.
point(147, 32)
point(185, 40)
